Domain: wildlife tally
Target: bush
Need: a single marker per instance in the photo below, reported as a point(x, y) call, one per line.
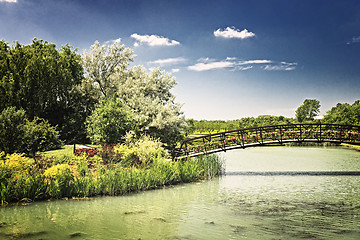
point(109, 121)
point(18, 134)
point(40, 136)
point(87, 152)
point(20, 179)
point(142, 152)
point(12, 129)
point(60, 178)
point(109, 154)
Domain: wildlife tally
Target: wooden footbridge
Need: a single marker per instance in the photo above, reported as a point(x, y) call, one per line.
point(267, 135)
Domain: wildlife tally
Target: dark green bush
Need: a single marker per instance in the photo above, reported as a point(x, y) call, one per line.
point(18, 134)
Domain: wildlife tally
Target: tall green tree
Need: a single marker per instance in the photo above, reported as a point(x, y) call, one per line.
point(40, 79)
point(344, 113)
point(308, 110)
point(110, 121)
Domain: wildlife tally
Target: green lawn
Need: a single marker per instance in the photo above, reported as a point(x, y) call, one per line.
point(66, 150)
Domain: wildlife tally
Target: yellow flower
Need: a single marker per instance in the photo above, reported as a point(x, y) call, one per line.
point(60, 169)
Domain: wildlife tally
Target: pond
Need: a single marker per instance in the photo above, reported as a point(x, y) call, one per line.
point(267, 193)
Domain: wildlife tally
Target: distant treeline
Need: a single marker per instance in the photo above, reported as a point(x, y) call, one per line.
point(342, 113)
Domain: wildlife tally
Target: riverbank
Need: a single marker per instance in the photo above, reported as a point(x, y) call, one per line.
point(356, 147)
point(24, 179)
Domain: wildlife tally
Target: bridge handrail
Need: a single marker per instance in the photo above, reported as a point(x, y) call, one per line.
point(268, 126)
point(301, 134)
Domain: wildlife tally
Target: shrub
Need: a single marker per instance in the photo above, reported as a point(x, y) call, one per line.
point(12, 129)
point(60, 178)
point(40, 136)
point(19, 179)
point(18, 134)
point(88, 152)
point(109, 121)
point(109, 154)
point(141, 152)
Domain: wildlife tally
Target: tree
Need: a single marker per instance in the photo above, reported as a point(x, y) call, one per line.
point(344, 113)
point(102, 62)
point(308, 110)
point(18, 134)
point(110, 121)
point(12, 129)
point(147, 95)
point(40, 136)
point(40, 79)
point(150, 99)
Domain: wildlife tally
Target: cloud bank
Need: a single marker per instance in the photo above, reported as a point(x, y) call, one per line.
point(153, 40)
point(231, 63)
point(232, 32)
point(10, 1)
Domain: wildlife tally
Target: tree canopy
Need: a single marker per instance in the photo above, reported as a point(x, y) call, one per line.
point(40, 79)
point(308, 110)
point(147, 95)
point(344, 113)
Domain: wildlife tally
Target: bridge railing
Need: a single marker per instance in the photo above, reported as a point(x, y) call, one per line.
point(276, 134)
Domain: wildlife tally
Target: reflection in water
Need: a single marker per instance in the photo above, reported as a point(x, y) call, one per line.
point(267, 193)
point(296, 173)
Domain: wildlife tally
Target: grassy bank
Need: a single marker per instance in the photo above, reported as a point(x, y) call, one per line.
point(356, 147)
point(27, 179)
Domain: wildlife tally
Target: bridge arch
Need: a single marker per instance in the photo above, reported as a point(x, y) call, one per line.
point(267, 135)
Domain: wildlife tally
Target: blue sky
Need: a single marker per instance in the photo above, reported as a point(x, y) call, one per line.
point(231, 59)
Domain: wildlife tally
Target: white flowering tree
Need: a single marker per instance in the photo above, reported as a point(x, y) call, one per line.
point(147, 95)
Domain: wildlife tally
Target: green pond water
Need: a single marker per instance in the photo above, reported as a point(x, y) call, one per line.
point(267, 193)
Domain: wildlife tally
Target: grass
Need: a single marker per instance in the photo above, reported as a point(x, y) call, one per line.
point(357, 147)
point(66, 150)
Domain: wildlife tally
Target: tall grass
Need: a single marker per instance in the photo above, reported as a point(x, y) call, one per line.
point(31, 182)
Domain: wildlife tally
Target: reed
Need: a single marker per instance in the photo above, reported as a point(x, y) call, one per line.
point(23, 179)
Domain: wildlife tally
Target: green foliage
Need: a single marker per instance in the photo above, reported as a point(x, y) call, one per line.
point(40, 136)
point(21, 179)
point(142, 152)
point(147, 95)
point(41, 80)
point(101, 64)
point(12, 129)
point(109, 122)
point(344, 113)
point(60, 178)
point(206, 127)
point(308, 110)
point(17, 134)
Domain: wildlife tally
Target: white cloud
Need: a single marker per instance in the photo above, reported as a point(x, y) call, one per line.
point(283, 66)
point(354, 40)
point(153, 40)
point(232, 32)
point(211, 65)
point(168, 61)
point(244, 68)
point(231, 58)
point(254, 62)
point(175, 70)
point(10, 1)
point(243, 65)
point(110, 42)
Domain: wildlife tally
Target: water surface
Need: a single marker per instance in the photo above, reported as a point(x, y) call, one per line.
point(268, 193)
